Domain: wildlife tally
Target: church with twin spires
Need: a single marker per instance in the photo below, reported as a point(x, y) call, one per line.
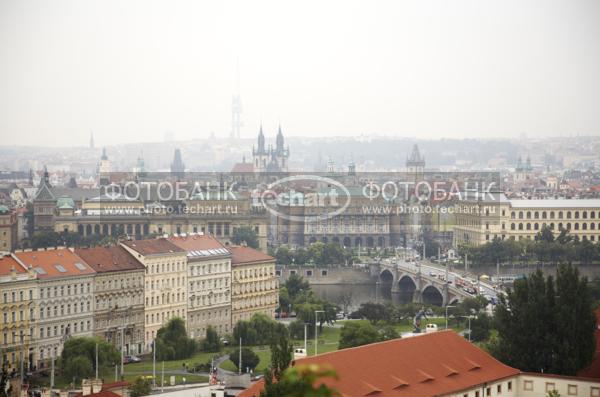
point(270, 159)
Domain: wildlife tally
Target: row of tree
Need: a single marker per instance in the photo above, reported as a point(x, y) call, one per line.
point(318, 253)
point(546, 248)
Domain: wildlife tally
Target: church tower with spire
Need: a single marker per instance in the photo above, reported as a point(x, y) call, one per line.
point(260, 157)
point(104, 168)
point(271, 159)
point(415, 165)
point(177, 166)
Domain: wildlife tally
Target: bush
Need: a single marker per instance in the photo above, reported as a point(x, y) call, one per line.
point(141, 387)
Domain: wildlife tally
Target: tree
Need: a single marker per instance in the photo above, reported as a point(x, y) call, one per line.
point(140, 387)
point(481, 327)
point(546, 325)
point(5, 386)
point(212, 342)
point(77, 368)
point(345, 299)
point(281, 356)
point(301, 381)
point(259, 330)
point(245, 234)
point(358, 333)
point(545, 234)
point(85, 347)
point(172, 342)
point(249, 359)
point(294, 285)
point(374, 312)
point(284, 256)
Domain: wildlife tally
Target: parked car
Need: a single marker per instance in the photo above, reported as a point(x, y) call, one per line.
point(131, 359)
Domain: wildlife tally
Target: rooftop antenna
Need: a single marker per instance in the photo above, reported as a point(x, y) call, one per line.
point(236, 106)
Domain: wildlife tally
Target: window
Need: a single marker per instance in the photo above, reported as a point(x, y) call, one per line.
point(509, 386)
point(488, 391)
point(595, 392)
point(572, 390)
point(528, 385)
point(499, 387)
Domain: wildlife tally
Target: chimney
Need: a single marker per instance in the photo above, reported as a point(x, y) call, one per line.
point(13, 273)
point(86, 387)
point(96, 386)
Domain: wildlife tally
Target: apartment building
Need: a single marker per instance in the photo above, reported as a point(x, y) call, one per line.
point(65, 299)
point(209, 283)
point(17, 319)
point(118, 296)
point(255, 288)
point(165, 289)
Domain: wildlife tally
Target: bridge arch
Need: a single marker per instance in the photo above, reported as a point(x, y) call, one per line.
point(386, 280)
point(406, 289)
point(432, 296)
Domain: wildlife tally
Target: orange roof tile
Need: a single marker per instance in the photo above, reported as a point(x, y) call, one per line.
point(109, 259)
point(245, 255)
point(196, 242)
point(426, 365)
point(60, 262)
point(7, 262)
point(153, 246)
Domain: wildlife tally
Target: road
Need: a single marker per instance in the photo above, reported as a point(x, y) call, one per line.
point(435, 270)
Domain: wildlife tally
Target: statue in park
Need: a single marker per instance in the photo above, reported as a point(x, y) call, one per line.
point(417, 320)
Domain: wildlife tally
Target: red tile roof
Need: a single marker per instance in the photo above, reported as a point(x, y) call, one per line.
point(241, 255)
point(7, 262)
point(196, 242)
point(242, 168)
point(60, 262)
point(153, 246)
point(109, 259)
point(427, 365)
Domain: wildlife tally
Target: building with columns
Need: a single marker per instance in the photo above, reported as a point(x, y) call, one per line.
point(255, 287)
point(479, 218)
point(118, 296)
point(165, 289)
point(209, 283)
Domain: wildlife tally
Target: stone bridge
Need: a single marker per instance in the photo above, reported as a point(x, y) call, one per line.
point(404, 282)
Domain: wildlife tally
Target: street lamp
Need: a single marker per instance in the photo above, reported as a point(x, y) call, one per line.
point(447, 314)
point(316, 314)
point(469, 317)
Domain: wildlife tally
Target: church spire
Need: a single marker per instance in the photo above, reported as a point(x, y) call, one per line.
point(279, 141)
point(261, 141)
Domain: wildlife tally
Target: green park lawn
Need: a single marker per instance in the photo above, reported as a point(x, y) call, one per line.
point(328, 341)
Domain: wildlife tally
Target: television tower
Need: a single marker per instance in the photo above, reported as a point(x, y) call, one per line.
point(236, 108)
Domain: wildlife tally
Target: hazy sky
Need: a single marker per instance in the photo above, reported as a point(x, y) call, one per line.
point(133, 70)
